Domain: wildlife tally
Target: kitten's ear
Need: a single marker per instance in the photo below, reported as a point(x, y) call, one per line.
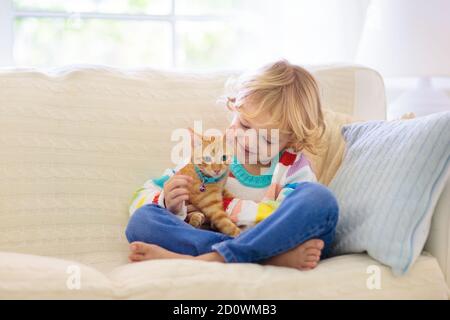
point(196, 138)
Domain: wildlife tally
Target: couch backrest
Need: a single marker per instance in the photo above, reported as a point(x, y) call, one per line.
point(76, 143)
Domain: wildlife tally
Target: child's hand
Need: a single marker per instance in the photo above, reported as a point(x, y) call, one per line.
point(176, 191)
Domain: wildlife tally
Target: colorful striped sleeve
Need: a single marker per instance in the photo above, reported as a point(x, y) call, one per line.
point(299, 171)
point(152, 192)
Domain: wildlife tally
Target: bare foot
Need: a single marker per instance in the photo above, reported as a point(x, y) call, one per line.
point(303, 257)
point(141, 251)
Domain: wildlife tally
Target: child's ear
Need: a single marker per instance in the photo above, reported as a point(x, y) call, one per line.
point(196, 138)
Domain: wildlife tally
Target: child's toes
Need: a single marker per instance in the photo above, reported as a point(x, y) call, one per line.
point(309, 264)
point(318, 244)
point(136, 257)
point(138, 247)
point(313, 251)
point(312, 258)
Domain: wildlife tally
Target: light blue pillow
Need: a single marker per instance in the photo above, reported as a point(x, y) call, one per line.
point(387, 187)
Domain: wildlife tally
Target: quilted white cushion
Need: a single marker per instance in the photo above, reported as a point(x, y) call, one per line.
point(392, 175)
point(337, 278)
point(25, 276)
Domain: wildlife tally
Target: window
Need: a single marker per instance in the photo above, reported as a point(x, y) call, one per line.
point(183, 34)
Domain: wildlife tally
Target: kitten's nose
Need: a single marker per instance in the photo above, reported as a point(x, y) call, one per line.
point(216, 171)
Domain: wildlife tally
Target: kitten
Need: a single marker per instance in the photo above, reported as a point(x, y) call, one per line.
point(209, 168)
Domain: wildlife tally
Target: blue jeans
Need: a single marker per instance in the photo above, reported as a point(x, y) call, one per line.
point(309, 212)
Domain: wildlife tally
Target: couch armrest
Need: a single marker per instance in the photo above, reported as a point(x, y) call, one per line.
point(438, 243)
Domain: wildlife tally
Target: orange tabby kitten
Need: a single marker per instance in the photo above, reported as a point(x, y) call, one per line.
point(209, 169)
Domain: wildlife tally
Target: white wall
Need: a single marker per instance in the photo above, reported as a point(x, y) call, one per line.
point(395, 87)
point(323, 31)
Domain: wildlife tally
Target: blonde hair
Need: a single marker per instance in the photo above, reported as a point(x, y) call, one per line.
point(290, 95)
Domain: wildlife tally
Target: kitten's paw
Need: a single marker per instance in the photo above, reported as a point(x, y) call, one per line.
point(236, 232)
point(232, 230)
point(196, 219)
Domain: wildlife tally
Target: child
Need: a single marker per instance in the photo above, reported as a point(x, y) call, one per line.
point(289, 218)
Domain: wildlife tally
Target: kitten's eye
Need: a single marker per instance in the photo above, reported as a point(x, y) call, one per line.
point(224, 158)
point(207, 159)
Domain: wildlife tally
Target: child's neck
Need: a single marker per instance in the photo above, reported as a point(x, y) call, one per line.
point(255, 169)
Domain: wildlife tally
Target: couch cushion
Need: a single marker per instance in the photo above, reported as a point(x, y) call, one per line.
point(388, 185)
point(32, 277)
point(342, 277)
point(345, 277)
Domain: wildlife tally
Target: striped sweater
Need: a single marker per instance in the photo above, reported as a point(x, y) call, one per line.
point(256, 197)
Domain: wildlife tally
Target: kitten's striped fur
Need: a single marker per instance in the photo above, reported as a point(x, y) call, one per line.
point(210, 202)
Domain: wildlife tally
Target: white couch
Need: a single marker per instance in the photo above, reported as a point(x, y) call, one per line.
point(76, 143)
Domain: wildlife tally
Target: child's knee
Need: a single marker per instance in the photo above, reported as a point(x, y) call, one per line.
point(318, 196)
point(129, 234)
point(139, 223)
point(325, 198)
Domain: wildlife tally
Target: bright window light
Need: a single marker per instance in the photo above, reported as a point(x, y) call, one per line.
point(178, 34)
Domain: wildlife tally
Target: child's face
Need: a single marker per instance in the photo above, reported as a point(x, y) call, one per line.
point(255, 138)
